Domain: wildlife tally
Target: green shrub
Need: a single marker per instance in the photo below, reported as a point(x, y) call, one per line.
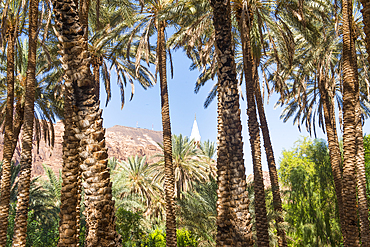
point(157, 238)
point(185, 238)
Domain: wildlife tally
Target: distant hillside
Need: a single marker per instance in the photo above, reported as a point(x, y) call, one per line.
point(121, 141)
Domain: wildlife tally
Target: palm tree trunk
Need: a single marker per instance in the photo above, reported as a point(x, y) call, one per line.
point(272, 167)
point(334, 151)
point(167, 141)
point(363, 209)
point(18, 122)
point(100, 220)
point(84, 18)
point(69, 214)
point(224, 225)
point(20, 227)
point(233, 219)
point(350, 233)
point(254, 136)
point(96, 72)
point(8, 139)
point(366, 20)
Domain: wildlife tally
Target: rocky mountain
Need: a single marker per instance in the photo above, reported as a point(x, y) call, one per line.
point(121, 141)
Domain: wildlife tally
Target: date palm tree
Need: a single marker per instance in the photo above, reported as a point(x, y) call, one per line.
point(315, 87)
point(363, 204)
point(85, 130)
point(20, 228)
point(366, 20)
point(208, 150)
point(136, 175)
point(350, 233)
point(46, 106)
point(188, 166)
point(244, 16)
point(11, 15)
point(108, 34)
point(233, 220)
point(152, 20)
point(198, 211)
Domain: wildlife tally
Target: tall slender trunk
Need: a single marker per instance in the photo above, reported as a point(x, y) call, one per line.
point(366, 20)
point(363, 209)
point(224, 223)
point(69, 213)
point(334, 151)
point(20, 227)
point(233, 218)
point(99, 212)
point(254, 135)
point(276, 198)
point(167, 140)
point(8, 138)
point(350, 233)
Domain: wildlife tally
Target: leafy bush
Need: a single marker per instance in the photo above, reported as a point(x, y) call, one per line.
point(157, 238)
point(185, 238)
point(128, 225)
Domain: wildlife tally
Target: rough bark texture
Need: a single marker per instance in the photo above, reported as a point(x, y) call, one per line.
point(96, 62)
point(334, 152)
point(18, 123)
point(350, 232)
point(366, 20)
point(84, 18)
point(20, 227)
point(8, 138)
point(363, 209)
point(272, 168)
point(69, 215)
point(233, 218)
point(167, 141)
point(254, 137)
point(100, 220)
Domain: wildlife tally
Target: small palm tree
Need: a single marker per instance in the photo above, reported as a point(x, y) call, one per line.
point(135, 174)
point(53, 184)
point(209, 150)
point(187, 162)
point(198, 211)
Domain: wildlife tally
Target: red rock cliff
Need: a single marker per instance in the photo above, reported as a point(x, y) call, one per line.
point(121, 141)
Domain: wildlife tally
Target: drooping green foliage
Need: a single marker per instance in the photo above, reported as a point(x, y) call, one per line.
point(310, 201)
point(197, 212)
point(187, 162)
point(43, 214)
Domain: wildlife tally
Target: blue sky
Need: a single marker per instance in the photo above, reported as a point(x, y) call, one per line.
point(144, 111)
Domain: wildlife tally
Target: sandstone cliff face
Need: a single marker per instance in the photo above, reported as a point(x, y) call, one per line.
point(121, 141)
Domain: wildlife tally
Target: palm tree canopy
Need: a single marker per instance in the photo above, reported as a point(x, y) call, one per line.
point(187, 162)
point(135, 174)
